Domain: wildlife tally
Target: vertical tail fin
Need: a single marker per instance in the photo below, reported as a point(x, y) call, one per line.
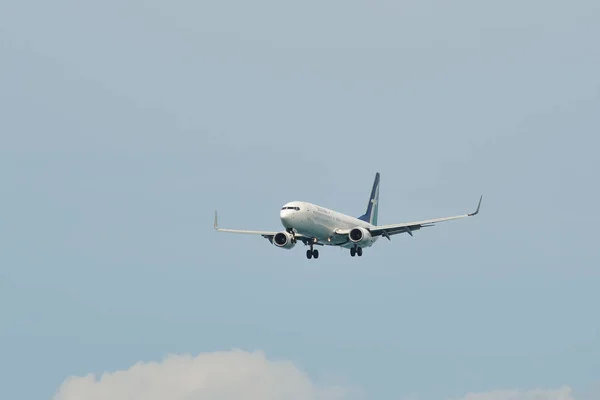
point(371, 215)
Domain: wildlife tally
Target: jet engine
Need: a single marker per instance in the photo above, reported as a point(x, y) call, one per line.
point(361, 236)
point(284, 240)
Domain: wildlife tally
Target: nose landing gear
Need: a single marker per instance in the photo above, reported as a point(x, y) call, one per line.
point(293, 233)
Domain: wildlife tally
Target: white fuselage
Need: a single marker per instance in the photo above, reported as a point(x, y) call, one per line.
point(319, 222)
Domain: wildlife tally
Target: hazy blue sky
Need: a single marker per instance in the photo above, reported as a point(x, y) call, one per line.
point(123, 125)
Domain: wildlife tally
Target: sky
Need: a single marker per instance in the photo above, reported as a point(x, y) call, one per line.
point(124, 125)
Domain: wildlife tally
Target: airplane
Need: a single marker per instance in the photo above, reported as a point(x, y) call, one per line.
point(318, 226)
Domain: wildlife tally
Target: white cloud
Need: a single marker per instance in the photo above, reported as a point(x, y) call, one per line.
point(209, 376)
point(236, 375)
point(563, 393)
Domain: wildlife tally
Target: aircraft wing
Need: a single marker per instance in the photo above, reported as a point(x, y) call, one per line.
point(408, 227)
point(266, 234)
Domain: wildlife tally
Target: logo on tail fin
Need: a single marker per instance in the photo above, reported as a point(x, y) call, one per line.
point(370, 215)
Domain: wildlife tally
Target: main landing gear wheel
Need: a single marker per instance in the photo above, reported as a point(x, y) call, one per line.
point(312, 254)
point(356, 251)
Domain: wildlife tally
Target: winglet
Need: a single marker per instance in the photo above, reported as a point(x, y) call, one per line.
point(216, 225)
point(478, 205)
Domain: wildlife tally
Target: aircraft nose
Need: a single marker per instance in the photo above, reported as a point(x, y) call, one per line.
point(286, 218)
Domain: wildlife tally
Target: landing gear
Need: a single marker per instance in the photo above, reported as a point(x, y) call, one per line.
point(312, 254)
point(356, 251)
point(291, 232)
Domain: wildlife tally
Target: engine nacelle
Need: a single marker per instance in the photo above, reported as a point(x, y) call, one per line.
point(284, 240)
point(360, 236)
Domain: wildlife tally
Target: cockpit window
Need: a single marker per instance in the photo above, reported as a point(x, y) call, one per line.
point(291, 208)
